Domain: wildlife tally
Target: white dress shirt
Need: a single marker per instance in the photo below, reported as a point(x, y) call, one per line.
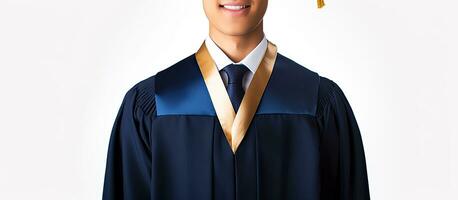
point(252, 60)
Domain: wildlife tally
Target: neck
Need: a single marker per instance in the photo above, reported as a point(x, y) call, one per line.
point(236, 47)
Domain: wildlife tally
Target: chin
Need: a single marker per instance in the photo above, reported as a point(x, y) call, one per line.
point(235, 29)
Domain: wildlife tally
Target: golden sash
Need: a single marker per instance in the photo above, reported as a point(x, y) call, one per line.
point(235, 125)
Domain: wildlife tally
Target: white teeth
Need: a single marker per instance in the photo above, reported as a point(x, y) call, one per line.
point(235, 7)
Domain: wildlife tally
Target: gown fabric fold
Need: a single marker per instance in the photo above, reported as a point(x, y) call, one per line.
point(287, 155)
point(128, 168)
point(342, 153)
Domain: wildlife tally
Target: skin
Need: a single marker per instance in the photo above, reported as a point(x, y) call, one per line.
point(236, 35)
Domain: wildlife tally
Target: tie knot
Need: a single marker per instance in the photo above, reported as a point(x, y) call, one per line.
point(235, 73)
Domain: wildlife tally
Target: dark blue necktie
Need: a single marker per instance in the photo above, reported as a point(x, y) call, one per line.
point(234, 88)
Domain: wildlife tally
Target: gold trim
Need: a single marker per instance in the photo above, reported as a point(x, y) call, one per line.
point(253, 95)
point(234, 124)
point(218, 94)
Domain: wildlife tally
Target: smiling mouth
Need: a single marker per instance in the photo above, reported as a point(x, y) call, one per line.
point(234, 7)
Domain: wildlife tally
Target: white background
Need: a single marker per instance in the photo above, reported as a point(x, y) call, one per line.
point(66, 65)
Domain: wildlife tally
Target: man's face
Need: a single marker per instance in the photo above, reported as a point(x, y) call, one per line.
point(235, 17)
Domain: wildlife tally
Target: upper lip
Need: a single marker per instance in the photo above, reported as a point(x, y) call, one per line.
point(234, 4)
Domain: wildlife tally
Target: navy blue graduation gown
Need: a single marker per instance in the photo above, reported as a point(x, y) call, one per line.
point(302, 144)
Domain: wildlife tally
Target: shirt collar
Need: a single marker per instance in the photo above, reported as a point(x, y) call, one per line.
point(252, 60)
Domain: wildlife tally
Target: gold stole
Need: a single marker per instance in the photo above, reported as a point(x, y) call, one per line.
point(235, 125)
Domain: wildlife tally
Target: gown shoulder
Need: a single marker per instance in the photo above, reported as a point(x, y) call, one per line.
point(142, 95)
point(331, 98)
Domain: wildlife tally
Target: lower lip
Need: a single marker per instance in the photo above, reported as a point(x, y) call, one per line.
point(236, 12)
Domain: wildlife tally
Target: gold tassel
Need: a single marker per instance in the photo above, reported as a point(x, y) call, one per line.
point(320, 3)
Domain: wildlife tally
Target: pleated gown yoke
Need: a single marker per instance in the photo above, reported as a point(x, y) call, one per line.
point(204, 149)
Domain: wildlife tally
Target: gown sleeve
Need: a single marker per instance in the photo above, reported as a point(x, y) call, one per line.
point(342, 159)
point(128, 164)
